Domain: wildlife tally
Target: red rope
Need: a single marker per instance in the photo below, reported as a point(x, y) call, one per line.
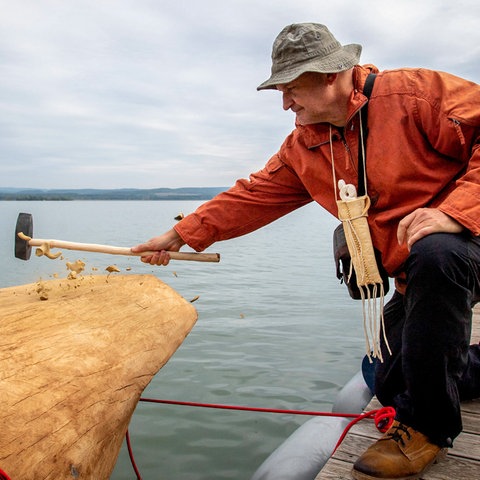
point(250, 409)
point(383, 421)
point(132, 458)
point(383, 418)
point(3, 475)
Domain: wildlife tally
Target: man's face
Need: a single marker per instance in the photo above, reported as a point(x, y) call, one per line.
point(311, 97)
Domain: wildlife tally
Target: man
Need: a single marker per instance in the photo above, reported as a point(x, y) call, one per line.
point(423, 181)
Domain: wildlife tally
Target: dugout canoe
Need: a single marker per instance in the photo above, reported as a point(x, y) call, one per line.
point(75, 356)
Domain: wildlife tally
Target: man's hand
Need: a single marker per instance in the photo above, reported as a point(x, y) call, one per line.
point(423, 222)
point(169, 241)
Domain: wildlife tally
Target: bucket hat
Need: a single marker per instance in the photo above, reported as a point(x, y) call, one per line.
point(308, 47)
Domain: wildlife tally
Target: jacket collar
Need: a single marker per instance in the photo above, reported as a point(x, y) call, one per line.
point(317, 134)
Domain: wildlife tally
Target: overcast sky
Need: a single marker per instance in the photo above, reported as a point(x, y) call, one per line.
point(157, 93)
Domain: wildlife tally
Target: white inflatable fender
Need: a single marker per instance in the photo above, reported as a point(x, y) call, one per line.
point(304, 453)
point(354, 396)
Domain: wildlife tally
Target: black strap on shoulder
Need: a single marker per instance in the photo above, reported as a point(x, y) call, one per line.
point(367, 91)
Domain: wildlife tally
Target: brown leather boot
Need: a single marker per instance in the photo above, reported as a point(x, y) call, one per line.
point(401, 454)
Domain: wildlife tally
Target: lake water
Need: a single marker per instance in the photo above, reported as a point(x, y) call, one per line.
point(275, 330)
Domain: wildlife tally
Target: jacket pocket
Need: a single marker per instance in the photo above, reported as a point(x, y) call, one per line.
point(274, 165)
point(458, 129)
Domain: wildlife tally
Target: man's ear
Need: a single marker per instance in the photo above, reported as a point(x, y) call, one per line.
point(331, 77)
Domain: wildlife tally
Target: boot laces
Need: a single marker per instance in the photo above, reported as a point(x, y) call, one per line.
point(398, 432)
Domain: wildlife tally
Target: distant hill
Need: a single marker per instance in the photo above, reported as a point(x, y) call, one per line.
point(186, 193)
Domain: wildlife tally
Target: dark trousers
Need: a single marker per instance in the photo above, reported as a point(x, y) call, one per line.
point(432, 367)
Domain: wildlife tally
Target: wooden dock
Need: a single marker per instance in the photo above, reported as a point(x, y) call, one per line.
point(461, 463)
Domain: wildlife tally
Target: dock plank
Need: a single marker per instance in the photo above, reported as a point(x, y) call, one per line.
point(461, 463)
point(448, 469)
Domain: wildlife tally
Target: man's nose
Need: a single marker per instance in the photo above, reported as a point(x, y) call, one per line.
point(287, 100)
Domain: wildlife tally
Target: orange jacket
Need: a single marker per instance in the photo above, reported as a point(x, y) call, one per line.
point(423, 150)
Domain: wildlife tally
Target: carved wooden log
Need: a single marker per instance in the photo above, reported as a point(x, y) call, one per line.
point(73, 367)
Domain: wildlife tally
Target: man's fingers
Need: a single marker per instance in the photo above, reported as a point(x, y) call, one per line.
point(159, 258)
point(423, 222)
point(403, 227)
point(143, 247)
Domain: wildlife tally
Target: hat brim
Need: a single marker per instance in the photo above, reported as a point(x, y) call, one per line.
point(339, 61)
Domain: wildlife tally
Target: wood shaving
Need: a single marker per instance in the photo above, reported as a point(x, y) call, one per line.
point(77, 267)
point(44, 250)
point(42, 291)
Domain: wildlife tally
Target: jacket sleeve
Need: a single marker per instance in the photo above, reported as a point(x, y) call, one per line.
point(250, 204)
point(450, 116)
